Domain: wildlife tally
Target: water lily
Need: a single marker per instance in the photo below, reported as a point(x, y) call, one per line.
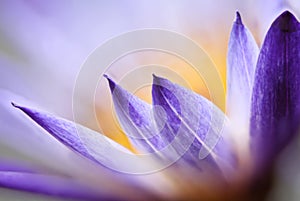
point(262, 108)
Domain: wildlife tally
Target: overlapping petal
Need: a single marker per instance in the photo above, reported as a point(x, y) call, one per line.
point(136, 119)
point(276, 94)
point(191, 116)
point(192, 126)
point(94, 146)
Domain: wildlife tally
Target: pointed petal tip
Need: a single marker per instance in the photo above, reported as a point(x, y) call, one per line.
point(24, 109)
point(154, 76)
point(286, 22)
point(106, 76)
point(157, 79)
point(238, 18)
point(111, 83)
point(17, 105)
point(287, 13)
point(14, 104)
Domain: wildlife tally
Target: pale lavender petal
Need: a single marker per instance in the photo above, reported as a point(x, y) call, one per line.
point(82, 140)
point(241, 61)
point(136, 119)
point(198, 119)
point(275, 100)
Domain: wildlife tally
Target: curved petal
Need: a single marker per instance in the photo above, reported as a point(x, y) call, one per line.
point(183, 135)
point(84, 141)
point(62, 130)
point(241, 61)
point(136, 119)
point(276, 93)
point(112, 157)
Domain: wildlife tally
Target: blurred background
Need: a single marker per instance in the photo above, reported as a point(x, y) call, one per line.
point(43, 45)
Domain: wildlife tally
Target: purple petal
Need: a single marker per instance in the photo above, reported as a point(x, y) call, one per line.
point(241, 62)
point(26, 177)
point(275, 100)
point(136, 119)
point(47, 184)
point(62, 130)
point(196, 118)
point(82, 140)
point(110, 155)
point(13, 166)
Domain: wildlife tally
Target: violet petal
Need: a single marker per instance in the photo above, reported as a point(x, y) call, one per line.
point(241, 61)
point(48, 185)
point(27, 177)
point(82, 140)
point(275, 100)
point(198, 119)
point(136, 119)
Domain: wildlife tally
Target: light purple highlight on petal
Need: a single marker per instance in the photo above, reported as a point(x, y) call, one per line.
point(241, 61)
point(276, 94)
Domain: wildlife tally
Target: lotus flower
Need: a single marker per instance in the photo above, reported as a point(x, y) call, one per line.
point(190, 142)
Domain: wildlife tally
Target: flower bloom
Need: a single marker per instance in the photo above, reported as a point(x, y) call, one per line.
point(262, 106)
